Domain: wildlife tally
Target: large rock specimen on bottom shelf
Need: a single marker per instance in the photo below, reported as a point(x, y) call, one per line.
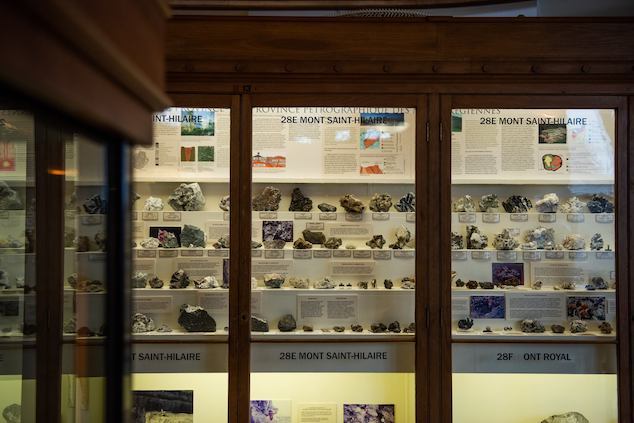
point(268, 200)
point(259, 324)
point(192, 236)
point(187, 197)
point(195, 319)
point(12, 413)
point(287, 323)
point(299, 202)
point(142, 323)
point(570, 417)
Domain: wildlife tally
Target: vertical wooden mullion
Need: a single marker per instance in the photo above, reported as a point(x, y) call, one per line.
point(49, 235)
point(421, 363)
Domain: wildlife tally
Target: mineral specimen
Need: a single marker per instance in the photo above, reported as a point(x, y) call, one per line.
point(351, 204)
point(408, 283)
point(259, 324)
point(487, 329)
point(324, 283)
point(70, 326)
point(139, 279)
point(537, 285)
point(83, 243)
point(356, 328)
point(222, 242)
point(605, 328)
point(599, 283)
point(570, 417)
point(299, 283)
point(314, 237)
point(196, 319)
point(167, 239)
point(578, 326)
point(9, 199)
point(377, 241)
point(378, 328)
point(476, 240)
point(179, 280)
point(532, 245)
point(505, 240)
point(406, 203)
point(600, 204)
point(150, 243)
point(465, 324)
point(544, 238)
point(388, 284)
point(90, 285)
point(486, 285)
point(517, 204)
point(573, 205)
point(100, 241)
point(574, 242)
point(156, 282)
point(153, 204)
point(548, 204)
point(339, 329)
point(380, 202)
point(307, 328)
point(460, 283)
point(411, 328)
point(192, 236)
point(92, 205)
point(274, 280)
point(394, 327)
point(208, 282)
point(333, 243)
point(489, 203)
point(187, 197)
point(301, 244)
point(164, 328)
point(142, 323)
point(403, 237)
point(457, 241)
point(471, 284)
point(532, 326)
point(464, 204)
point(268, 200)
point(327, 208)
point(596, 242)
point(224, 203)
point(287, 323)
point(71, 279)
point(557, 328)
point(299, 202)
point(255, 244)
point(274, 244)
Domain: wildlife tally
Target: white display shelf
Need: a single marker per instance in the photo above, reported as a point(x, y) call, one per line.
point(187, 290)
point(268, 179)
point(529, 181)
point(220, 335)
point(503, 212)
point(549, 290)
point(317, 334)
point(511, 336)
point(517, 250)
point(335, 291)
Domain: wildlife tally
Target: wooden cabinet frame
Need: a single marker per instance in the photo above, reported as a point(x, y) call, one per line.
point(432, 64)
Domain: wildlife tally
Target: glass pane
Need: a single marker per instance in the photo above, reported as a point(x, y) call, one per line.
point(85, 209)
point(533, 261)
point(333, 259)
point(17, 265)
point(180, 266)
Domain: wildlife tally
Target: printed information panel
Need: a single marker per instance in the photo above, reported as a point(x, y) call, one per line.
point(540, 358)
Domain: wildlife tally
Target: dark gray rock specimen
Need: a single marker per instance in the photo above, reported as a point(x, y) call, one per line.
point(356, 328)
point(224, 203)
point(557, 328)
point(327, 208)
point(222, 242)
point(299, 202)
point(605, 328)
point(255, 244)
point(377, 241)
point(167, 239)
point(570, 417)
point(302, 244)
point(532, 326)
point(139, 280)
point(187, 197)
point(406, 203)
point(380, 202)
point(273, 280)
point(196, 319)
point(489, 203)
point(179, 280)
point(314, 237)
point(457, 241)
point(388, 284)
point(411, 328)
point(307, 328)
point(394, 327)
point(486, 285)
point(599, 283)
point(517, 204)
point(351, 204)
point(259, 324)
point(156, 282)
point(268, 200)
point(287, 323)
point(333, 243)
point(465, 324)
point(338, 329)
point(600, 204)
point(596, 242)
point(92, 205)
point(378, 328)
point(274, 244)
point(192, 236)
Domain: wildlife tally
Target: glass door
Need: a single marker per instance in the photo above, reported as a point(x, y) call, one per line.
point(535, 232)
point(333, 275)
